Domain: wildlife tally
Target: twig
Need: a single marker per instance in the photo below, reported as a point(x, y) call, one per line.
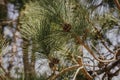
point(102, 40)
point(117, 4)
point(65, 70)
point(101, 37)
point(72, 68)
point(95, 48)
point(7, 22)
point(90, 51)
point(83, 70)
point(74, 60)
point(90, 65)
point(116, 72)
point(77, 72)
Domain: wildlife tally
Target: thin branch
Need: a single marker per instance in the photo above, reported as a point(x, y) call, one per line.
point(117, 4)
point(74, 78)
point(109, 67)
point(83, 70)
point(88, 76)
point(90, 51)
point(95, 48)
point(101, 37)
point(7, 22)
point(69, 69)
point(90, 65)
point(65, 70)
point(79, 40)
point(95, 6)
point(74, 60)
point(102, 40)
point(116, 72)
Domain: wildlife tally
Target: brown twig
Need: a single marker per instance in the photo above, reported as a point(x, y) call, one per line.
point(102, 40)
point(84, 71)
point(90, 65)
point(100, 37)
point(7, 22)
point(65, 70)
point(90, 51)
point(79, 40)
point(74, 78)
point(95, 48)
point(116, 72)
point(109, 67)
point(72, 68)
point(117, 4)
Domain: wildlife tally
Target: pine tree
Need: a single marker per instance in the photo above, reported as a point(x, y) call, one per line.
point(66, 26)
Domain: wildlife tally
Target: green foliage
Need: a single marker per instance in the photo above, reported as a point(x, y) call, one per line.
point(51, 25)
point(107, 21)
point(45, 23)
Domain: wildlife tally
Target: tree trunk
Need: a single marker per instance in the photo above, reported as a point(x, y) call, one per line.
point(3, 10)
point(33, 64)
point(26, 61)
point(29, 62)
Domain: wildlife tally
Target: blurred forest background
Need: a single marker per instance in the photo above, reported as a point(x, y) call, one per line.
point(59, 40)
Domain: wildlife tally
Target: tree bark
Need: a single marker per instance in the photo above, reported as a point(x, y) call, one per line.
point(3, 9)
point(26, 60)
point(117, 4)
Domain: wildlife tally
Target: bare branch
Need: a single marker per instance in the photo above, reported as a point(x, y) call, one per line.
point(83, 70)
point(91, 52)
point(117, 4)
point(102, 40)
point(74, 78)
point(65, 70)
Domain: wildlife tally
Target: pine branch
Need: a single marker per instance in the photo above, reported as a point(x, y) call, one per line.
point(91, 52)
